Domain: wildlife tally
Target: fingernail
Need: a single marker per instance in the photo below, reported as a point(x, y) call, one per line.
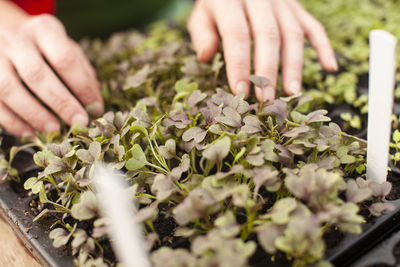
point(294, 87)
point(51, 127)
point(268, 94)
point(80, 119)
point(242, 88)
point(95, 109)
point(334, 64)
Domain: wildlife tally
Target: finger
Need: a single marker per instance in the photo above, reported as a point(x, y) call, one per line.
point(13, 124)
point(317, 35)
point(266, 39)
point(57, 48)
point(22, 103)
point(84, 60)
point(203, 32)
point(232, 26)
point(38, 76)
point(292, 47)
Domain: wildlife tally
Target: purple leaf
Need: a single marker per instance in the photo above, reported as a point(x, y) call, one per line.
point(211, 112)
point(259, 81)
point(231, 117)
point(183, 167)
point(196, 97)
point(163, 187)
point(296, 131)
point(317, 116)
point(279, 108)
point(256, 160)
point(138, 78)
point(251, 124)
point(222, 97)
point(195, 133)
point(377, 209)
point(266, 176)
point(380, 190)
point(218, 151)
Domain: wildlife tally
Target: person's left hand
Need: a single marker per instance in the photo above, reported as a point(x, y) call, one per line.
point(277, 28)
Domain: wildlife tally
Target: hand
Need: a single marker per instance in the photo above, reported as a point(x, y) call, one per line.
point(38, 53)
point(277, 28)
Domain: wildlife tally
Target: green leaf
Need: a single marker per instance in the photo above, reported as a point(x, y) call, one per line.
point(43, 196)
point(37, 187)
point(30, 183)
point(396, 136)
point(184, 86)
point(282, 209)
point(139, 129)
point(42, 158)
point(86, 208)
point(138, 159)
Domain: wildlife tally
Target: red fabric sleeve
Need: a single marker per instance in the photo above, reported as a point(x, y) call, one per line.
point(36, 7)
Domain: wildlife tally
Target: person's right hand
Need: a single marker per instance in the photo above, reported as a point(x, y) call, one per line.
point(38, 53)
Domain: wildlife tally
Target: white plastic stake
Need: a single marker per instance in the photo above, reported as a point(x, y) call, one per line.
point(117, 204)
point(382, 64)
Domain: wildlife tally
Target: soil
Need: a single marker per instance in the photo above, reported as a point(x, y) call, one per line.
point(393, 178)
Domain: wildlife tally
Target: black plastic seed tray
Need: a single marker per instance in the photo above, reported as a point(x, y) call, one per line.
point(386, 254)
point(35, 236)
point(353, 247)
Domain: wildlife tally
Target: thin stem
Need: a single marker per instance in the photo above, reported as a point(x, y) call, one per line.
point(156, 156)
point(157, 167)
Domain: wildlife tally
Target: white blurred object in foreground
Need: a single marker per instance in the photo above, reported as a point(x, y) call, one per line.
point(116, 203)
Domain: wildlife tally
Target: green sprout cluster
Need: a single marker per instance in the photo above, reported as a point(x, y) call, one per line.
point(217, 180)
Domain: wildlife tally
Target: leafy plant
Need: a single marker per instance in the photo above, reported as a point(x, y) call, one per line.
point(214, 176)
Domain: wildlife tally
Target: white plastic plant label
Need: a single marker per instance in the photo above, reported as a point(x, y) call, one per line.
point(382, 65)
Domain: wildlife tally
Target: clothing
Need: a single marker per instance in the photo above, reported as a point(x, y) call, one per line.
point(36, 7)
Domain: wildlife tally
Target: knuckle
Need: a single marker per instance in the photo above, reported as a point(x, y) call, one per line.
point(5, 36)
point(239, 64)
point(33, 72)
point(35, 117)
point(295, 35)
point(5, 86)
point(295, 67)
point(64, 58)
point(63, 106)
point(44, 20)
point(237, 34)
point(271, 34)
point(318, 27)
point(86, 93)
point(10, 37)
